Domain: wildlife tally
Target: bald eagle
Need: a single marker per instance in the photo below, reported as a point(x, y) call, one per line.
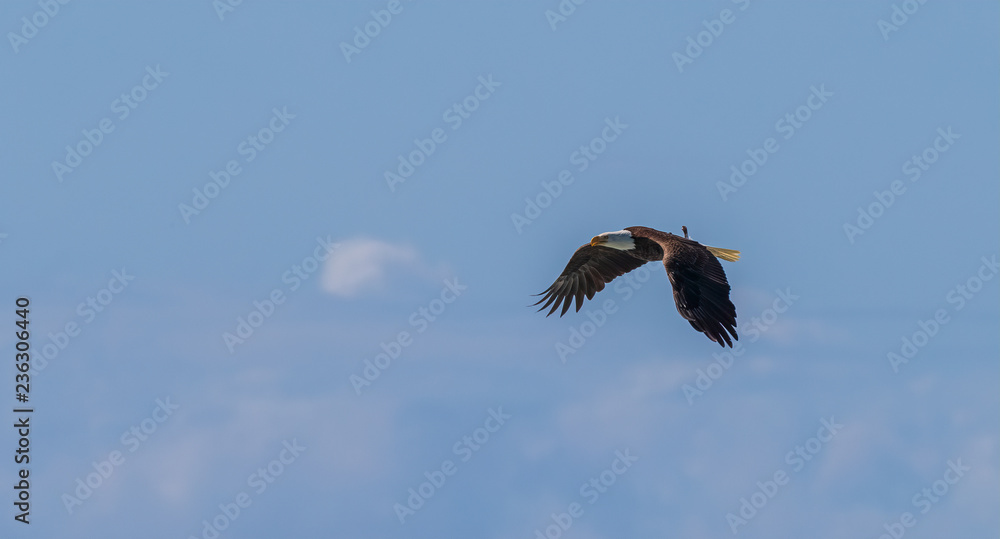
point(701, 291)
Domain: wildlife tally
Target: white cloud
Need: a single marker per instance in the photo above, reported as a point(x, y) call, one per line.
point(347, 441)
point(360, 265)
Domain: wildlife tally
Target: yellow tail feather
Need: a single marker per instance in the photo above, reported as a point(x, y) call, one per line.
point(729, 255)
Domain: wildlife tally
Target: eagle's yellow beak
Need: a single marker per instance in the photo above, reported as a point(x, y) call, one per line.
point(598, 240)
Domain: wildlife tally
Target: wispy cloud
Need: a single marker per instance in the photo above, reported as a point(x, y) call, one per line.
point(361, 265)
point(245, 430)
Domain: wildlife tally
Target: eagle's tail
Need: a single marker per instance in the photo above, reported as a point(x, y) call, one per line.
point(729, 255)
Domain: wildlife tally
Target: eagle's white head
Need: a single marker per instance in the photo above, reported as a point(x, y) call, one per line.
point(621, 240)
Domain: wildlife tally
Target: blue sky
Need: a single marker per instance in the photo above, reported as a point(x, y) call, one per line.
point(243, 324)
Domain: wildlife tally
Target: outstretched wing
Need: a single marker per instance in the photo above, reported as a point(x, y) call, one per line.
point(701, 292)
point(586, 274)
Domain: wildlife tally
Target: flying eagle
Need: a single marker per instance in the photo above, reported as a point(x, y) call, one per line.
point(701, 291)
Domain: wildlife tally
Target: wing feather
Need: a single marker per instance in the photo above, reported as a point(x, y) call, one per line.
point(588, 271)
point(701, 292)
